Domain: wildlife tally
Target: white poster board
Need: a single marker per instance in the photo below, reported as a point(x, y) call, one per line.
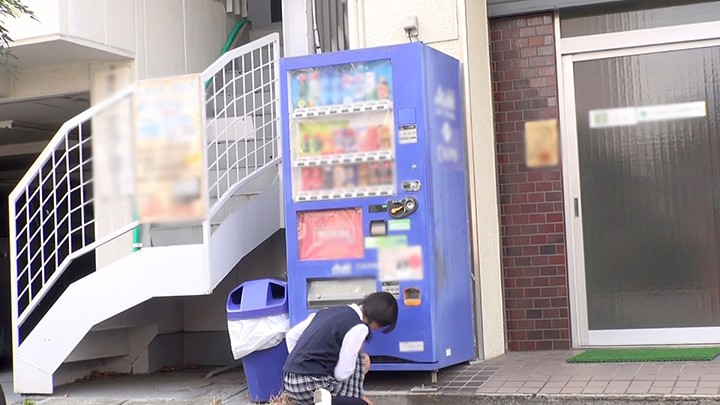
point(169, 168)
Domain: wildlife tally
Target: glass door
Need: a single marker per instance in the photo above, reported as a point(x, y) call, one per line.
point(644, 198)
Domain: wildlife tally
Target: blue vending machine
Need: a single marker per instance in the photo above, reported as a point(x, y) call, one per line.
point(376, 196)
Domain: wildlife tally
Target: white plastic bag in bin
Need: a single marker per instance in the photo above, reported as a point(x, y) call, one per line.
point(251, 335)
point(257, 316)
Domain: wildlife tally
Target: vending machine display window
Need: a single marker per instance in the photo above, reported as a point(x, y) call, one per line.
point(330, 234)
point(342, 130)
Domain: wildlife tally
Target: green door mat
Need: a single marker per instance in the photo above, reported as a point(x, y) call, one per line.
point(645, 355)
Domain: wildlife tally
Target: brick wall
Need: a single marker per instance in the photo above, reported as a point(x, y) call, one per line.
point(533, 229)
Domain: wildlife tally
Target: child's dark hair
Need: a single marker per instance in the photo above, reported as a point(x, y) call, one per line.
point(382, 308)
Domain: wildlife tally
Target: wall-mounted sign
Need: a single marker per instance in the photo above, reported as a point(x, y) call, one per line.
point(169, 168)
point(618, 117)
point(541, 144)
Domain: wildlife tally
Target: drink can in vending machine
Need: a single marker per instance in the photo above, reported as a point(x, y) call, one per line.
point(350, 140)
point(339, 179)
point(383, 89)
point(325, 89)
point(373, 173)
point(370, 86)
point(359, 84)
point(316, 144)
point(361, 139)
point(348, 89)
point(327, 177)
point(386, 173)
point(305, 144)
point(336, 88)
point(302, 91)
point(328, 144)
point(351, 175)
point(306, 182)
point(372, 139)
point(314, 87)
point(362, 175)
point(339, 140)
point(385, 137)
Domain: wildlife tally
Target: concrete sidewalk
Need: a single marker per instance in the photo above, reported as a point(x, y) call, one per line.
point(514, 378)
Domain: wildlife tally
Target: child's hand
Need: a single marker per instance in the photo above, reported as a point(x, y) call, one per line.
point(367, 362)
point(367, 400)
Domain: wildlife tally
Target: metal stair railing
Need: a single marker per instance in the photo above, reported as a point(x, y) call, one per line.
point(51, 210)
point(54, 218)
point(243, 117)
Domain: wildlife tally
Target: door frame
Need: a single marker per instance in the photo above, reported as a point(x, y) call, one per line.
point(594, 47)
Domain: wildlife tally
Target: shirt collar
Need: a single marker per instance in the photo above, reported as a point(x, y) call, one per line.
point(357, 310)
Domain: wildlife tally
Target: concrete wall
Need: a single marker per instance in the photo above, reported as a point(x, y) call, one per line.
point(103, 24)
point(179, 36)
point(162, 37)
point(48, 12)
point(166, 37)
point(438, 23)
point(460, 28)
point(205, 322)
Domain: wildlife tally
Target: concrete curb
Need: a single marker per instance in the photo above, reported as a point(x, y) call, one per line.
point(394, 398)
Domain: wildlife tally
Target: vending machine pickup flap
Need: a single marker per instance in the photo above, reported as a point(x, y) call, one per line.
point(329, 292)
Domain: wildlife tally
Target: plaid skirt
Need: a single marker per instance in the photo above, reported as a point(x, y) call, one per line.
point(300, 388)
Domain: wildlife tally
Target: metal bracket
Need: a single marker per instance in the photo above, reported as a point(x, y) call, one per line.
point(432, 388)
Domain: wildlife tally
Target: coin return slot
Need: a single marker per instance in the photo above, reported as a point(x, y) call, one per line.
point(378, 228)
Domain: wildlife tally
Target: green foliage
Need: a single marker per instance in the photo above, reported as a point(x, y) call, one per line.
point(12, 9)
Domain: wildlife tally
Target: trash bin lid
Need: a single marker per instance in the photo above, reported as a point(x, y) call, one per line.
point(257, 299)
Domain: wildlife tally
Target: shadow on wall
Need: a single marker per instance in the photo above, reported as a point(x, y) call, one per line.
point(205, 337)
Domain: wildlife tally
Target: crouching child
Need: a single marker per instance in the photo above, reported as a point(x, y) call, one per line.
point(325, 350)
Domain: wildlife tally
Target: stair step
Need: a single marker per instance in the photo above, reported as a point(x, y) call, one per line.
point(246, 152)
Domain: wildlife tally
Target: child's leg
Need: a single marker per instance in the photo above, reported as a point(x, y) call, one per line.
point(353, 386)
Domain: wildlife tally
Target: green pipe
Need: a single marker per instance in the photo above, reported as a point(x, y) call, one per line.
point(230, 40)
point(137, 244)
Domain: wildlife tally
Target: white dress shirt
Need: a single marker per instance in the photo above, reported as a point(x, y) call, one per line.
point(351, 344)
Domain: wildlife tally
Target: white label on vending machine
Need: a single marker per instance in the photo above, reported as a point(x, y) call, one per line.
point(407, 134)
point(392, 288)
point(406, 347)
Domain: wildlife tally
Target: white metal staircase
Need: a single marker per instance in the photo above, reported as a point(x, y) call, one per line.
point(58, 294)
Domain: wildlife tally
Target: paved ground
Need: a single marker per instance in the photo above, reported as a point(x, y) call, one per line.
point(537, 377)
point(548, 373)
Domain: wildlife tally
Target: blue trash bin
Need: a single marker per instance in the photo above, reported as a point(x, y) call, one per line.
point(263, 369)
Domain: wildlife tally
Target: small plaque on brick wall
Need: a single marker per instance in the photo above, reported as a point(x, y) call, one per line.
point(541, 144)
